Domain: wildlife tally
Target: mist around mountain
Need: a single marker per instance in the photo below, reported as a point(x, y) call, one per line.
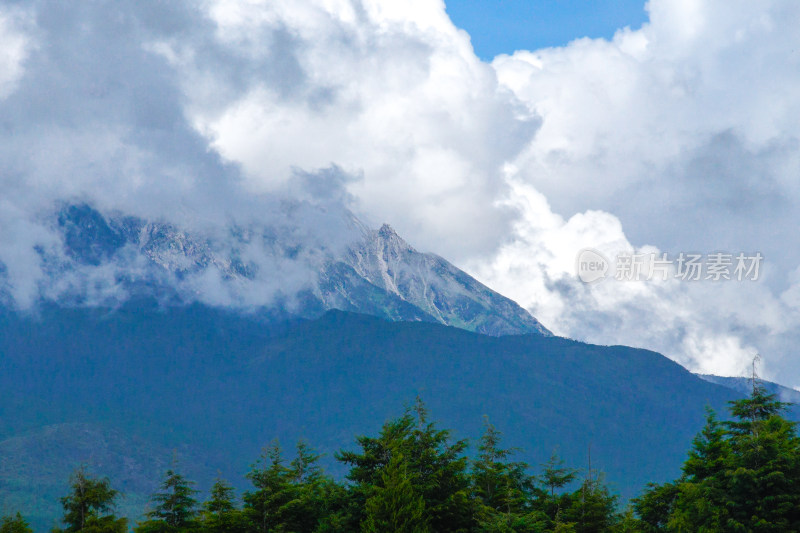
point(745, 386)
point(287, 268)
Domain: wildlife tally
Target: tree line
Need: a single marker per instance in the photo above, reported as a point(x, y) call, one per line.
point(741, 474)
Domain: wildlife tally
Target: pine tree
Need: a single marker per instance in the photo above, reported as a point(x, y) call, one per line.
point(305, 466)
point(222, 498)
point(490, 471)
point(593, 508)
point(175, 507)
point(763, 483)
point(90, 504)
point(741, 475)
point(14, 524)
point(299, 497)
point(272, 481)
point(701, 496)
point(555, 476)
point(220, 514)
point(655, 506)
point(394, 507)
point(315, 497)
point(502, 489)
point(710, 451)
point(436, 467)
point(441, 473)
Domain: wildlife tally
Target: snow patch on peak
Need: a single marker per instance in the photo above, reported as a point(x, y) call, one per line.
point(300, 259)
point(435, 286)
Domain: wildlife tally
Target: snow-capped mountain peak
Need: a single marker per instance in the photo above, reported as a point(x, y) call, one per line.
point(107, 257)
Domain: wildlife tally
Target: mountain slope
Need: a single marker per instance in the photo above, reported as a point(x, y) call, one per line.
point(281, 266)
point(36, 465)
point(435, 286)
point(220, 385)
point(744, 385)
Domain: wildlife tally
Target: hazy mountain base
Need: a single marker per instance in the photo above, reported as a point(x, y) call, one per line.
point(745, 386)
point(32, 463)
point(218, 386)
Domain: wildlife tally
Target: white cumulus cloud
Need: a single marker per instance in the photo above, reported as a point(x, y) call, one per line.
point(679, 136)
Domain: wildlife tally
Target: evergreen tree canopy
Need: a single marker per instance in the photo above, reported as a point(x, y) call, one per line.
point(220, 514)
point(299, 497)
point(222, 498)
point(393, 505)
point(741, 475)
point(175, 508)
point(592, 508)
point(556, 476)
point(434, 464)
point(88, 507)
point(14, 524)
point(503, 489)
point(413, 477)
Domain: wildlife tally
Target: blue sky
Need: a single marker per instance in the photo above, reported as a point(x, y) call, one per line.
point(507, 25)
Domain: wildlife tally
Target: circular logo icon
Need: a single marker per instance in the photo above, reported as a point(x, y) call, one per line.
point(591, 265)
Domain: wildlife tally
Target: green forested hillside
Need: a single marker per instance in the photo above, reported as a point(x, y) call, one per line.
point(741, 474)
point(216, 387)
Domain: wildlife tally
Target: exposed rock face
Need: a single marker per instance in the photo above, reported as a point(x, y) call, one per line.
point(376, 272)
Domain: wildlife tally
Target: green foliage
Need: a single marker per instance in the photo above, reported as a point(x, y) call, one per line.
point(434, 464)
point(556, 476)
point(92, 371)
point(265, 507)
point(741, 475)
point(175, 509)
point(629, 523)
point(655, 506)
point(222, 499)
point(592, 508)
point(503, 490)
point(14, 524)
point(294, 498)
point(88, 507)
point(220, 514)
point(413, 477)
point(394, 506)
